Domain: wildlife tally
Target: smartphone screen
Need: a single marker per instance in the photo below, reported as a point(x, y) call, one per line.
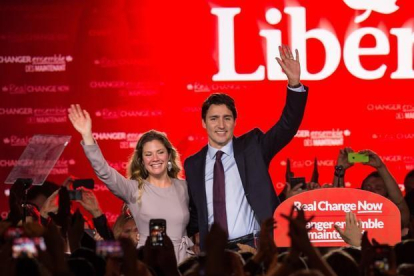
point(75, 194)
point(27, 247)
point(111, 249)
point(354, 157)
point(158, 228)
point(382, 259)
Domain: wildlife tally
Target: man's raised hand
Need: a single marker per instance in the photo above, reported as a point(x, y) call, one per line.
point(290, 65)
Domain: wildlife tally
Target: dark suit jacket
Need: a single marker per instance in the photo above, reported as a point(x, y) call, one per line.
point(253, 152)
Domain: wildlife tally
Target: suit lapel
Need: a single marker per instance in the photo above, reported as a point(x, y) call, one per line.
point(200, 174)
point(239, 156)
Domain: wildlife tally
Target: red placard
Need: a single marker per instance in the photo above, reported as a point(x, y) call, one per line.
point(379, 216)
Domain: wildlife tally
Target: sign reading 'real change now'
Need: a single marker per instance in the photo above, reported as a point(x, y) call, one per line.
point(379, 216)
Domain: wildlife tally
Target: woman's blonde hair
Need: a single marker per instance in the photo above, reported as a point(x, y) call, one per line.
point(121, 220)
point(136, 169)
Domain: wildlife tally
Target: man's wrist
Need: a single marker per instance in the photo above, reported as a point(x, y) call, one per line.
point(294, 84)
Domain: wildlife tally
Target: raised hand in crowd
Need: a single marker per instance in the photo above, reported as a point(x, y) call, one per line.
point(386, 181)
point(288, 191)
point(312, 186)
point(374, 160)
point(75, 230)
point(300, 241)
point(300, 188)
point(298, 232)
point(342, 164)
point(343, 158)
point(234, 263)
point(33, 229)
point(15, 202)
point(352, 234)
point(68, 181)
point(82, 122)
point(130, 265)
point(161, 258)
point(129, 258)
point(54, 257)
point(267, 249)
point(50, 206)
point(6, 262)
point(266, 252)
point(51, 203)
point(216, 242)
point(61, 218)
point(293, 185)
point(369, 252)
point(381, 182)
point(90, 203)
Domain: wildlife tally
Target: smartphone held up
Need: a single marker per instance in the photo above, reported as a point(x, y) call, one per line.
point(25, 247)
point(158, 229)
point(355, 157)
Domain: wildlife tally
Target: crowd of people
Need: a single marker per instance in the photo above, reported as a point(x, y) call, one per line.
point(218, 221)
point(71, 243)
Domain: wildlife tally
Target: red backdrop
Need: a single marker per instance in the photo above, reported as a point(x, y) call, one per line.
point(138, 65)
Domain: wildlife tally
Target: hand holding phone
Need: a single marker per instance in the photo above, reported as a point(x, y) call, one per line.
point(373, 159)
point(382, 259)
point(294, 181)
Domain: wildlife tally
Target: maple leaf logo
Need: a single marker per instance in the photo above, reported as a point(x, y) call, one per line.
point(380, 6)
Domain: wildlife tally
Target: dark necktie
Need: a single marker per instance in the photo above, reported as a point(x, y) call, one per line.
point(219, 193)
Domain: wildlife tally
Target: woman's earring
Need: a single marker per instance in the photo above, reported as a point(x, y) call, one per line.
point(169, 166)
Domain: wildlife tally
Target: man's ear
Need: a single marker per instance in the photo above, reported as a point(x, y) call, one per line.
point(203, 123)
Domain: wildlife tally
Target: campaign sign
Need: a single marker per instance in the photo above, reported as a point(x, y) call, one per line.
point(379, 216)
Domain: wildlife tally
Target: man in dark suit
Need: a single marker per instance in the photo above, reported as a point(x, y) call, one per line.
point(228, 180)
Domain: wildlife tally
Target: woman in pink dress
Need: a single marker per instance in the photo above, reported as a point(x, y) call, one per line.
point(152, 189)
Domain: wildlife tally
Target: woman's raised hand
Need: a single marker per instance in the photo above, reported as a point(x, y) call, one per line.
point(82, 122)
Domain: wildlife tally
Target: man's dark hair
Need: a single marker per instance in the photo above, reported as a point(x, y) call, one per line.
point(218, 99)
point(342, 263)
point(403, 252)
point(374, 174)
point(47, 189)
point(355, 253)
point(409, 175)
